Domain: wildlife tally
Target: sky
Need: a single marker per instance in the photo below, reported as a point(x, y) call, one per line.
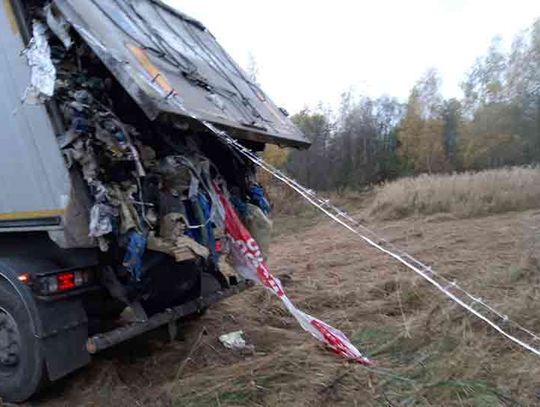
point(311, 51)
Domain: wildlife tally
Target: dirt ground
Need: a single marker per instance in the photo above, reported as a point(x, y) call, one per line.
point(428, 352)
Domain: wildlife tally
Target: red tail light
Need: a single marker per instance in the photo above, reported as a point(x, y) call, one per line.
point(65, 281)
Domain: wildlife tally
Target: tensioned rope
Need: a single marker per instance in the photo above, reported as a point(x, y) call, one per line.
point(451, 289)
point(497, 320)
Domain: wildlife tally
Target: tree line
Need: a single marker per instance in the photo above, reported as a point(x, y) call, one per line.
point(367, 141)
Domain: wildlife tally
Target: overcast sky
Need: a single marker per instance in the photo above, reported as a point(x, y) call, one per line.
point(310, 51)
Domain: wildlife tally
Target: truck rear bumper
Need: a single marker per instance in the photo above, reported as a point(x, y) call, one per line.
point(109, 339)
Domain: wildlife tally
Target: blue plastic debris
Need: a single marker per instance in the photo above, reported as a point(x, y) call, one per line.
point(208, 230)
point(240, 206)
point(80, 124)
point(120, 136)
point(257, 196)
point(136, 245)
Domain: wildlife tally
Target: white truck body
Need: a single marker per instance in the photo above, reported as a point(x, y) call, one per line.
point(34, 181)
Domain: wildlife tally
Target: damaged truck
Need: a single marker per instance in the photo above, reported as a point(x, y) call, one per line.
point(110, 222)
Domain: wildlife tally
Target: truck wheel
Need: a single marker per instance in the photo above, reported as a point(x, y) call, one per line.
point(21, 360)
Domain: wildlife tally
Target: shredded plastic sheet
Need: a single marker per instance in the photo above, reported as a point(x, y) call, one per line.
point(101, 220)
point(59, 26)
point(249, 263)
point(43, 72)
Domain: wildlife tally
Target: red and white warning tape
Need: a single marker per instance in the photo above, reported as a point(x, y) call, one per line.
point(249, 263)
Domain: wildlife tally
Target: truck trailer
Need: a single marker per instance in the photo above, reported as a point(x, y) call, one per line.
point(109, 220)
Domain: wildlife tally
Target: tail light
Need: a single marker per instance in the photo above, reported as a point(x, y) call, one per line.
point(64, 281)
point(24, 278)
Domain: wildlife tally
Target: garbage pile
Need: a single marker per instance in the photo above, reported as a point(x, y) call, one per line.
point(159, 186)
point(152, 185)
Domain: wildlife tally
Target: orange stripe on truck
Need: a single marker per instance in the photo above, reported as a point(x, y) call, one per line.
point(32, 214)
point(150, 68)
point(11, 16)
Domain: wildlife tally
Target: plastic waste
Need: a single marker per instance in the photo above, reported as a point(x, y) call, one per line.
point(43, 72)
point(101, 223)
point(258, 197)
point(233, 340)
point(134, 253)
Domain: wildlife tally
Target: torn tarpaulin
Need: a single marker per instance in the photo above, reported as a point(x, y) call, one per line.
point(43, 72)
point(58, 25)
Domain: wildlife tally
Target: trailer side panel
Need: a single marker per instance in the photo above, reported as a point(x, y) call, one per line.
point(34, 182)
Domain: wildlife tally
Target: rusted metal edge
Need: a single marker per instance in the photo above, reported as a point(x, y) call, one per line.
point(109, 339)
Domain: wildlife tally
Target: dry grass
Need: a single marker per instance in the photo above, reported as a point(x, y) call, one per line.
point(463, 195)
point(293, 214)
point(429, 352)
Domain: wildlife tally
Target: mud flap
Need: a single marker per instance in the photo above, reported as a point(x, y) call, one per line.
point(64, 337)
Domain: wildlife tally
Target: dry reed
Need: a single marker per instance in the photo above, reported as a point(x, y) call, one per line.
point(463, 195)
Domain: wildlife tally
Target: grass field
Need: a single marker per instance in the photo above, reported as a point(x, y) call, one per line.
point(463, 195)
point(428, 351)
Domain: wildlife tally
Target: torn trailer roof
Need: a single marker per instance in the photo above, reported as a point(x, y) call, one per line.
point(171, 64)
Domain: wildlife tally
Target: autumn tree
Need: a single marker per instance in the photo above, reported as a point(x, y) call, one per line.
point(368, 140)
point(453, 127)
point(311, 167)
point(355, 148)
point(421, 133)
point(485, 81)
point(502, 96)
point(523, 88)
point(363, 149)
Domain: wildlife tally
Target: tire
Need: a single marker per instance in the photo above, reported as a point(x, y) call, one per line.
point(21, 360)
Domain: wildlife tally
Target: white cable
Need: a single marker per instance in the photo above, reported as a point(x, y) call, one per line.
point(427, 273)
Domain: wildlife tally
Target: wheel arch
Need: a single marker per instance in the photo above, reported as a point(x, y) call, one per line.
point(60, 326)
point(9, 276)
